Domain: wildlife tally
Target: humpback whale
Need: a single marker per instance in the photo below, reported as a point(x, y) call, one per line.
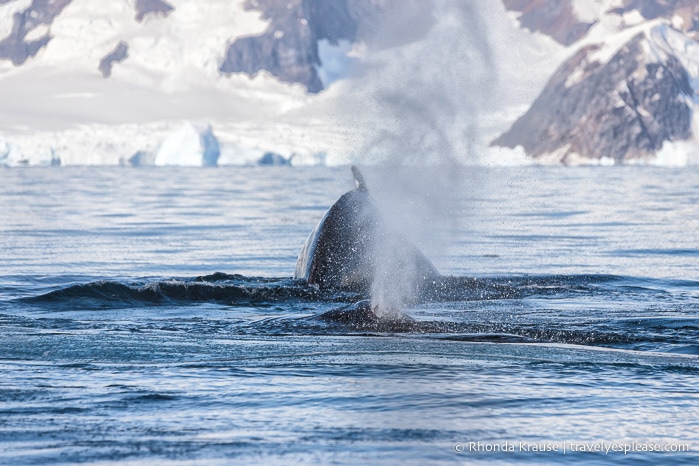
point(364, 316)
point(352, 248)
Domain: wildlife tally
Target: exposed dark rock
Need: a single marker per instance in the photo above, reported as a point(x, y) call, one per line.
point(651, 9)
point(623, 109)
point(155, 7)
point(330, 20)
point(555, 18)
point(688, 10)
point(15, 47)
point(119, 54)
point(288, 49)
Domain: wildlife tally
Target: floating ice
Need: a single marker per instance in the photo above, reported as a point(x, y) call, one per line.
point(272, 158)
point(190, 145)
point(12, 156)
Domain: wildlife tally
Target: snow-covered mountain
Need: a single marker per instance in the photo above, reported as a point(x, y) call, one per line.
point(335, 81)
point(629, 91)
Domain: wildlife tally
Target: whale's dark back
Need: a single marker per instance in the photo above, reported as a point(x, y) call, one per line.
point(340, 252)
point(343, 250)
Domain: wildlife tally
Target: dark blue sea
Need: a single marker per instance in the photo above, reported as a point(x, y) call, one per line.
point(149, 316)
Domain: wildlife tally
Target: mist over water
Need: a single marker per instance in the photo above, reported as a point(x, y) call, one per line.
point(420, 104)
point(420, 207)
point(419, 112)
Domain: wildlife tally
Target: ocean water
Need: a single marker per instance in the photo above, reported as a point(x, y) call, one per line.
point(150, 316)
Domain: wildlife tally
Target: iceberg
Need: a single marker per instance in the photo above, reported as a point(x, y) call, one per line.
point(272, 158)
point(10, 155)
point(140, 158)
point(211, 148)
point(4, 151)
point(190, 145)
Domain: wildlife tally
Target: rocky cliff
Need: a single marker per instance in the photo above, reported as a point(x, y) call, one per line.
point(555, 18)
point(683, 14)
point(288, 49)
point(620, 110)
point(620, 96)
point(561, 19)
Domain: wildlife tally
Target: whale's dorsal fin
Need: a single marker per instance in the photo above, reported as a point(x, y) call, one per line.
point(359, 182)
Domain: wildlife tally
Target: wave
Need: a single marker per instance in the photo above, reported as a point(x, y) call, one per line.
point(216, 288)
point(239, 290)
